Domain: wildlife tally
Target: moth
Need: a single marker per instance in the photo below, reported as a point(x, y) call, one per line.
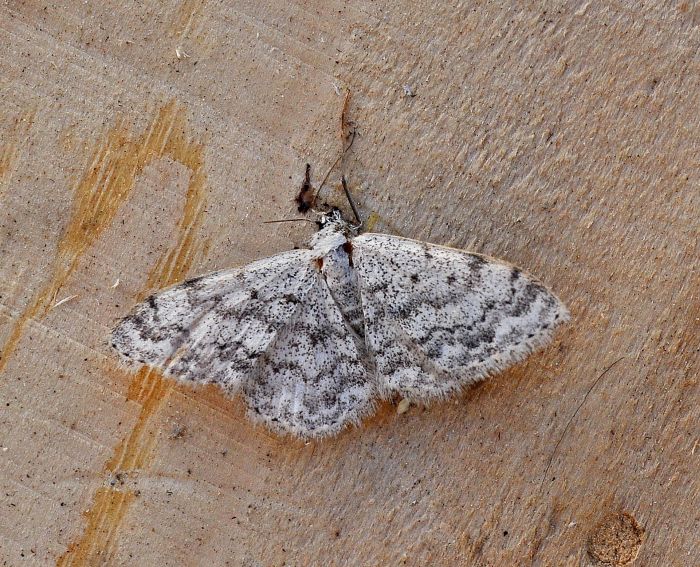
point(313, 338)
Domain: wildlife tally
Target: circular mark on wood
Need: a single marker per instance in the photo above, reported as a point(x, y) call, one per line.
point(616, 540)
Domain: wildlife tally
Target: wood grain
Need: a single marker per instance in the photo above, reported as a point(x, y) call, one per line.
point(141, 143)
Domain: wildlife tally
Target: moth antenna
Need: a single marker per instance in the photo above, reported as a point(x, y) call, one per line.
point(352, 203)
point(287, 220)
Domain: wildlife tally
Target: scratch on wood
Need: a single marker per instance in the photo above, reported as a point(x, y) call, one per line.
point(10, 149)
point(571, 419)
point(189, 10)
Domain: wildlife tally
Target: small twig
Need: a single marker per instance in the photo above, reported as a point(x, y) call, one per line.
point(344, 117)
point(336, 162)
point(64, 300)
point(343, 137)
point(554, 452)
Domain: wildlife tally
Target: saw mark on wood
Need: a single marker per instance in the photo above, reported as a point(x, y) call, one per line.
point(13, 141)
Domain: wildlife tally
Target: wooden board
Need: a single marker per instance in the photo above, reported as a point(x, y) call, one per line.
point(142, 143)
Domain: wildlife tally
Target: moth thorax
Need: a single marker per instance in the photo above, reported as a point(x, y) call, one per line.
point(330, 236)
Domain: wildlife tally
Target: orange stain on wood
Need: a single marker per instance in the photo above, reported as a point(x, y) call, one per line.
point(109, 180)
point(134, 451)
point(167, 136)
point(87, 552)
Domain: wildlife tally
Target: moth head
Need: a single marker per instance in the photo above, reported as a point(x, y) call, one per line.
point(333, 230)
point(331, 217)
point(333, 220)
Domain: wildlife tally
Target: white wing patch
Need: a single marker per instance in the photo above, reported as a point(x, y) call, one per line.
point(214, 329)
point(313, 337)
point(437, 319)
point(313, 378)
